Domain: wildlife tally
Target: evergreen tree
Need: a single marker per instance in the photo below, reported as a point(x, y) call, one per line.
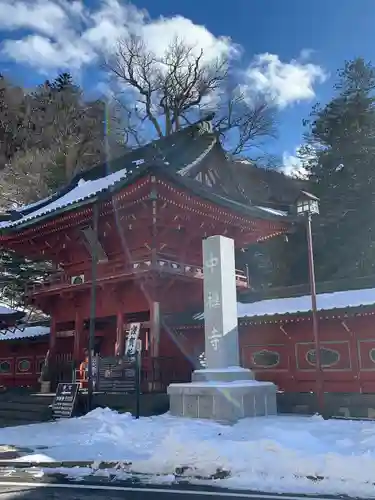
point(63, 81)
point(339, 153)
point(17, 273)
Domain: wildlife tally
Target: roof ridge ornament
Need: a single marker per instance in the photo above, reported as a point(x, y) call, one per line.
point(205, 127)
point(159, 155)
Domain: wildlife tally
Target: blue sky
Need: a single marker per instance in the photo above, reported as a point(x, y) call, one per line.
point(290, 49)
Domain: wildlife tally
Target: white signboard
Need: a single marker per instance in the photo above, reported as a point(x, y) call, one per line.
point(132, 338)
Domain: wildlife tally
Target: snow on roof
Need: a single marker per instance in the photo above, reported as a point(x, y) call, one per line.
point(187, 168)
point(28, 332)
point(325, 302)
point(273, 211)
point(264, 209)
point(293, 305)
point(4, 309)
point(80, 192)
point(84, 189)
point(35, 204)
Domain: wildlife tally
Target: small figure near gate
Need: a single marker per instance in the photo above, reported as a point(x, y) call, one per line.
point(84, 369)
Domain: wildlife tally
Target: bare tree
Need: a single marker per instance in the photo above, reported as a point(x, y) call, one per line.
point(47, 136)
point(169, 86)
point(73, 129)
point(171, 91)
point(253, 122)
point(14, 120)
point(25, 179)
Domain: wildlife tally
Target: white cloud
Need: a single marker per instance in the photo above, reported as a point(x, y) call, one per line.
point(68, 35)
point(112, 21)
point(283, 82)
point(160, 33)
point(44, 54)
point(41, 16)
point(292, 165)
point(306, 54)
point(61, 34)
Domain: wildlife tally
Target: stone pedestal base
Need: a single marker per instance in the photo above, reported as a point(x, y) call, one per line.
point(45, 387)
point(225, 402)
point(231, 374)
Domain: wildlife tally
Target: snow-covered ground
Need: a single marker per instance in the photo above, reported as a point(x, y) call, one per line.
point(280, 454)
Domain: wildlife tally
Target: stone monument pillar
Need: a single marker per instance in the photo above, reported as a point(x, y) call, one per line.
point(220, 303)
point(223, 391)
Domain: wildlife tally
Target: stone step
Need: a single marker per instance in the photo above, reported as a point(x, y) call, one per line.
point(10, 414)
point(14, 394)
point(16, 423)
point(17, 408)
point(24, 408)
point(28, 399)
point(12, 417)
point(32, 407)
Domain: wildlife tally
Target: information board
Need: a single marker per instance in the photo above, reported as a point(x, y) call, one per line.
point(65, 400)
point(117, 374)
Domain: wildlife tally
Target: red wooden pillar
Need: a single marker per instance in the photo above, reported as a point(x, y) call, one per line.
point(292, 360)
point(154, 328)
point(52, 338)
point(78, 339)
point(353, 353)
point(120, 334)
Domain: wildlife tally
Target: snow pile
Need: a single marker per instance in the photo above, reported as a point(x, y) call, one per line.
point(279, 454)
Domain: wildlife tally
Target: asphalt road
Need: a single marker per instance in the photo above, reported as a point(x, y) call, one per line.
point(83, 492)
point(27, 484)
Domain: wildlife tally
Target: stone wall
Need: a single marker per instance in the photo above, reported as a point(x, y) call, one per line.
point(340, 405)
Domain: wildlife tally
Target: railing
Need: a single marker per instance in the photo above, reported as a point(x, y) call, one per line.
point(118, 270)
point(61, 370)
point(156, 373)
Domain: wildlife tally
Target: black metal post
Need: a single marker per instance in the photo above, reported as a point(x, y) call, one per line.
point(94, 265)
point(138, 384)
point(247, 275)
point(318, 364)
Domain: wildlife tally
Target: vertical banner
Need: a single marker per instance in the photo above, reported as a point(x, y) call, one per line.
point(155, 328)
point(95, 371)
point(131, 339)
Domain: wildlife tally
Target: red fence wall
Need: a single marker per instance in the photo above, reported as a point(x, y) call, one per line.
point(21, 361)
point(284, 353)
point(279, 352)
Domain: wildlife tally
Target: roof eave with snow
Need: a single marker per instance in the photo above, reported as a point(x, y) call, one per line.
point(26, 333)
point(292, 307)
